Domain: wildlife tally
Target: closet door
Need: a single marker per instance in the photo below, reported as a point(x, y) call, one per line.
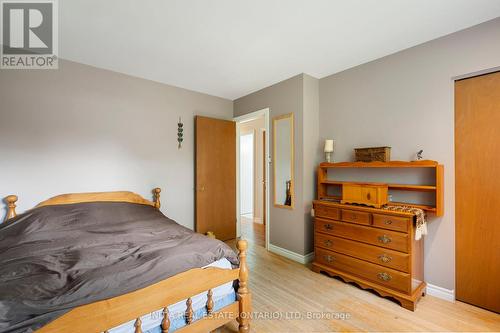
point(216, 177)
point(477, 197)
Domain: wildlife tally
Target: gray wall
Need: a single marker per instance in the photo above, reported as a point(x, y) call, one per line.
point(286, 226)
point(312, 149)
point(292, 229)
point(405, 100)
point(81, 129)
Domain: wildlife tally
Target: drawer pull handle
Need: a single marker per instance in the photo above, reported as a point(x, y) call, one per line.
point(384, 276)
point(354, 217)
point(384, 239)
point(328, 243)
point(384, 258)
point(328, 226)
point(388, 222)
point(368, 196)
point(328, 258)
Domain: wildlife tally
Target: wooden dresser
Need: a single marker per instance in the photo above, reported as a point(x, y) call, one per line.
point(372, 247)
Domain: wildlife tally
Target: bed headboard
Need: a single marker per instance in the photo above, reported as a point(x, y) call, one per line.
point(71, 198)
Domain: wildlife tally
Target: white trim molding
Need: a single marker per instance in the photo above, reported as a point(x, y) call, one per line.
point(247, 117)
point(309, 257)
point(440, 292)
point(303, 259)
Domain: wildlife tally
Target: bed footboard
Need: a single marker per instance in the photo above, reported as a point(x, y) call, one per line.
point(104, 315)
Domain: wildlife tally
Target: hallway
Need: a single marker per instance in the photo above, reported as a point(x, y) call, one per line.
point(253, 232)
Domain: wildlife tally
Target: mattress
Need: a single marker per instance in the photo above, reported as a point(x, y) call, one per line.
point(223, 295)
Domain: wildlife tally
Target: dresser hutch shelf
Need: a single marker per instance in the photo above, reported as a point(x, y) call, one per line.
point(437, 187)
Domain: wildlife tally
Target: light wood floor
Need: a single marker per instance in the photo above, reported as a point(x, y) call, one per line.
point(280, 285)
point(253, 232)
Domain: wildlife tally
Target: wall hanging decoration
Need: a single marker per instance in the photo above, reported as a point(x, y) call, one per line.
point(180, 134)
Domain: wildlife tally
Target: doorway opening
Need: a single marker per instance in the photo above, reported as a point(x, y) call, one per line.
point(252, 177)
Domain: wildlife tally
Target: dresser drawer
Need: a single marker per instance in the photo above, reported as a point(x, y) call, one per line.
point(391, 222)
point(377, 255)
point(322, 225)
point(379, 237)
point(381, 275)
point(356, 217)
point(327, 212)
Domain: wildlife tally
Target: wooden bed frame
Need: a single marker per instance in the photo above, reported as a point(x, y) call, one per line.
point(103, 315)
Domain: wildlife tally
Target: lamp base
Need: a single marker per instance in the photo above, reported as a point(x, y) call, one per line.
point(328, 157)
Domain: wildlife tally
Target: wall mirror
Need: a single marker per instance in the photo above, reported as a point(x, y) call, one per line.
point(284, 195)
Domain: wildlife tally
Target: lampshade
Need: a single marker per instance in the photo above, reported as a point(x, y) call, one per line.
point(328, 146)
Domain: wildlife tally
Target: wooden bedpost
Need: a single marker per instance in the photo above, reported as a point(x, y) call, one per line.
point(156, 197)
point(244, 296)
point(165, 323)
point(11, 207)
point(138, 325)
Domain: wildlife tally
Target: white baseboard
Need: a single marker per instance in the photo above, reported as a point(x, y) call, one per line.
point(309, 257)
point(303, 259)
point(440, 292)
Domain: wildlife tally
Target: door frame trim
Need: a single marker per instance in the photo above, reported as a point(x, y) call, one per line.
point(474, 74)
point(244, 118)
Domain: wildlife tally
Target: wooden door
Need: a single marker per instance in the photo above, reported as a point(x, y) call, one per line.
point(477, 182)
point(216, 177)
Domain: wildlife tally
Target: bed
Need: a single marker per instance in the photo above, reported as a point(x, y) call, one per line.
point(208, 290)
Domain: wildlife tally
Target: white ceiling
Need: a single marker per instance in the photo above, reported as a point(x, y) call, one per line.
point(230, 48)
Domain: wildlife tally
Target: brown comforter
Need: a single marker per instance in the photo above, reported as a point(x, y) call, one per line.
point(55, 258)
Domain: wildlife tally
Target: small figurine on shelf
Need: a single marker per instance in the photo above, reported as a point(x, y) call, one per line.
point(419, 154)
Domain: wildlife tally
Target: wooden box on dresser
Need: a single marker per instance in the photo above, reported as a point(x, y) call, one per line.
point(372, 247)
